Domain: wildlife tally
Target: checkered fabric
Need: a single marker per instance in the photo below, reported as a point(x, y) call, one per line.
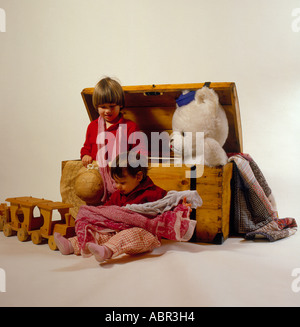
point(75, 244)
point(251, 208)
point(275, 230)
point(252, 212)
point(130, 241)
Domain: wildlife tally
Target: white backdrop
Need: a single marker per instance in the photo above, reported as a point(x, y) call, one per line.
point(51, 49)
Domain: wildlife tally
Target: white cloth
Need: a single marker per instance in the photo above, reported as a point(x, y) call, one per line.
point(167, 203)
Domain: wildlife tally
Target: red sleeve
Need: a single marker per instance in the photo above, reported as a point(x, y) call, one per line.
point(90, 139)
point(157, 194)
point(151, 195)
point(113, 200)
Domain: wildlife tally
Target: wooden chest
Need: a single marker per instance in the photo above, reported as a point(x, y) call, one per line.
point(152, 108)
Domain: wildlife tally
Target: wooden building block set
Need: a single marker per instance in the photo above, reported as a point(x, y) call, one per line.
point(152, 107)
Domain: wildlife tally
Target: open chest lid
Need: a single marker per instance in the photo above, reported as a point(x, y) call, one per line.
point(152, 107)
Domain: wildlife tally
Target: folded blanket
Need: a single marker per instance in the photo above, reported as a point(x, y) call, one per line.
point(274, 230)
point(174, 224)
point(254, 212)
point(167, 203)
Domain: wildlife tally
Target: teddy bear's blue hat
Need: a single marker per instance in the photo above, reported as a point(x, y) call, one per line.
point(185, 99)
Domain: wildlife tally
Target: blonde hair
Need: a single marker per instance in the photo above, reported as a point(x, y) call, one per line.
point(108, 90)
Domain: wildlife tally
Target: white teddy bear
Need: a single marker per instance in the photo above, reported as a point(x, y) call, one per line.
point(200, 111)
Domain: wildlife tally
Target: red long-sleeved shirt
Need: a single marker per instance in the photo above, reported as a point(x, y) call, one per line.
point(90, 146)
point(145, 192)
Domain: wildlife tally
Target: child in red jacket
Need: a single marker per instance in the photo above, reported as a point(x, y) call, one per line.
point(108, 100)
point(110, 133)
point(133, 186)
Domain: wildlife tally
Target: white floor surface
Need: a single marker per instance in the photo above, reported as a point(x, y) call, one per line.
point(237, 273)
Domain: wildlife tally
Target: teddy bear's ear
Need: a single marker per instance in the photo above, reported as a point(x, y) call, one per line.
point(200, 96)
point(206, 94)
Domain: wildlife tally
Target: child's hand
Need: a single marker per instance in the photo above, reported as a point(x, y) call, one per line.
point(186, 204)
point(86, 160)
